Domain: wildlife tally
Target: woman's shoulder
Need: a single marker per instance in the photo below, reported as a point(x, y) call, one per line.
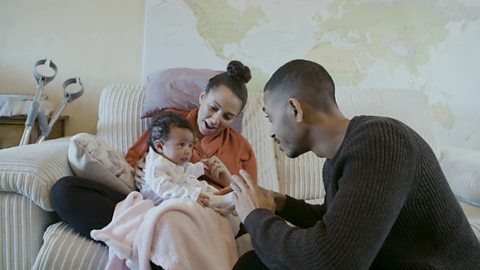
point(238, 139)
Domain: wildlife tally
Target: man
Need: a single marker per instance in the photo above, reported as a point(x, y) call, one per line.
point(387, 204)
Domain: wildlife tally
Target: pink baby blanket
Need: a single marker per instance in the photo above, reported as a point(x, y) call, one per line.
point(177, 234)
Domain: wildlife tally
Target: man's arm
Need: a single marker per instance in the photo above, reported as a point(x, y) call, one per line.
point(297, 212)
point(301, 213)
point(377, 177)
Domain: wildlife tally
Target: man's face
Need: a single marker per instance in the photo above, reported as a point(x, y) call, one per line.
point(285, 131)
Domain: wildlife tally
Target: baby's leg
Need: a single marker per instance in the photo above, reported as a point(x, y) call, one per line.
point(224, 204)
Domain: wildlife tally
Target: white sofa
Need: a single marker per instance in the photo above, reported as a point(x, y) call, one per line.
point(32, 237)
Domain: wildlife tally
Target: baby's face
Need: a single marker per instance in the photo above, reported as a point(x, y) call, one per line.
point(178, 148)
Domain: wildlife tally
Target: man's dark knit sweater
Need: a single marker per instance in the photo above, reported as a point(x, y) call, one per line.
point(387, 206)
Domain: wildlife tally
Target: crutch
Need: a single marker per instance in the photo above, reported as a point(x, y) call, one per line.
point(68, 98)
point(42, 80)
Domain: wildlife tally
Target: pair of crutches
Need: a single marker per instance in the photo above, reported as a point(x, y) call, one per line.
point(36, 111)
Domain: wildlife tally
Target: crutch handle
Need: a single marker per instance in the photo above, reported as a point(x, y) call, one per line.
point(71, 96)
point(68, 97)
point(43, 79)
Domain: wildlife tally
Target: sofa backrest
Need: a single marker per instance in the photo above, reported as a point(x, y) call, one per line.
point(119, 125)
point(302, 177)
point(119, 110)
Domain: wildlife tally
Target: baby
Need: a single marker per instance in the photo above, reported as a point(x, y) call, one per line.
point(168, 172)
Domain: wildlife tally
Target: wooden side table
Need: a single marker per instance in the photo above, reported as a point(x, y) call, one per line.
point(11, 130)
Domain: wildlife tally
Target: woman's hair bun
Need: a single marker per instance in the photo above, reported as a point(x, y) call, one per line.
point(238, 71)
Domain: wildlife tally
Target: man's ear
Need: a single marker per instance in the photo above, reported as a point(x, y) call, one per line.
point(201, 98)
point(159, 145)
point(296, 108)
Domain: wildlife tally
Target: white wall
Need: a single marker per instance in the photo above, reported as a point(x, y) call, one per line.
point(99, 41)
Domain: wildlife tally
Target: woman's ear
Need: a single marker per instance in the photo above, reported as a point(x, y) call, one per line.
point(201, 98)
point(296, 109)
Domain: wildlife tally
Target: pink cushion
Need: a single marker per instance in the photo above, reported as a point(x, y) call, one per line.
point(178, 88)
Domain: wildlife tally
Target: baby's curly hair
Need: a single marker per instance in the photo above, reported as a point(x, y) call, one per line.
point(162, 123)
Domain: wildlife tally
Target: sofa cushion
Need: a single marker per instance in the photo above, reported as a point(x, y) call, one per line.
point(63, 248)
point(462, 169)
point(91, 158)
point(31, 170)
point(407, 105)
point(178, 88)
point(21, 232)
point(473, 216)
point(119, 109)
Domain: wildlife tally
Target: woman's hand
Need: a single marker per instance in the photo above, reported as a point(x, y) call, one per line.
point(217, 171)
point(203, 200)
point(140, 173)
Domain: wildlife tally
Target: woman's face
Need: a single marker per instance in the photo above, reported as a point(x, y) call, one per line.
point(217, 110)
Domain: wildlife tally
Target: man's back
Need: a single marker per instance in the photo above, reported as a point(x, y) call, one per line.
point(411, 218)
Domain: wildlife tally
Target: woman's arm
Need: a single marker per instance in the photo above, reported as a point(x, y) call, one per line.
point(137, 150)
point(250, 164)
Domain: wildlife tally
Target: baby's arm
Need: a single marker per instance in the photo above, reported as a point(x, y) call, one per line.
point(195, 169)
point(224, 204)
point(167, 187)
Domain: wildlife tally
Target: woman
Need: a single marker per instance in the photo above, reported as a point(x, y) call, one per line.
point(86, 205)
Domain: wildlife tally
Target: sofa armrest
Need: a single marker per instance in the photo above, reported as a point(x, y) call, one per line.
point(31, 170)
point(462, 169)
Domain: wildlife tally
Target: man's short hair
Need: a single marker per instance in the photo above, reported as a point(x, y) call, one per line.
point(304, 80)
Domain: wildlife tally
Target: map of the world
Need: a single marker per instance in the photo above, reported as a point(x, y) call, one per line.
point(429, 45)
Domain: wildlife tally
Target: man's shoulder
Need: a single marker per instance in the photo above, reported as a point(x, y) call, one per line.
point(375, 124)
point(376, 120)
point(377, 128)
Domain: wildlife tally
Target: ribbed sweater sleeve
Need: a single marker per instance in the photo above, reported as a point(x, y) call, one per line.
point(300, 213)
point(372, 176)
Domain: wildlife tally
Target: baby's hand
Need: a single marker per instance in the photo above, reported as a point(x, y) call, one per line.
point(217, 171)
point(203, 200)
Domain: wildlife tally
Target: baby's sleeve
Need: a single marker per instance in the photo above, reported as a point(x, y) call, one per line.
point(168, 186)
point(196, 169)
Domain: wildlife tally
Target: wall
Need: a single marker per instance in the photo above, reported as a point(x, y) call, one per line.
point(427, 45)
point(99, 41)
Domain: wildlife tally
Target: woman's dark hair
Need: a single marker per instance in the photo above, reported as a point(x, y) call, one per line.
point(162, 123)
point(235, 78)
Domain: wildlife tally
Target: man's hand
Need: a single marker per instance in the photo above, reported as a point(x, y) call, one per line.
point(249, 196)
point(279, 198)
point(140, 173)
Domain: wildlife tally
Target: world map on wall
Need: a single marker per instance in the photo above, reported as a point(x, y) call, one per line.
point(428, 45)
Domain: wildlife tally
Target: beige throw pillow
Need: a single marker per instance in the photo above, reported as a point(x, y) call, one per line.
point(92, 158)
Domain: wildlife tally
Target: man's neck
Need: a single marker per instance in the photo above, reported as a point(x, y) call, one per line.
point(328, 138)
